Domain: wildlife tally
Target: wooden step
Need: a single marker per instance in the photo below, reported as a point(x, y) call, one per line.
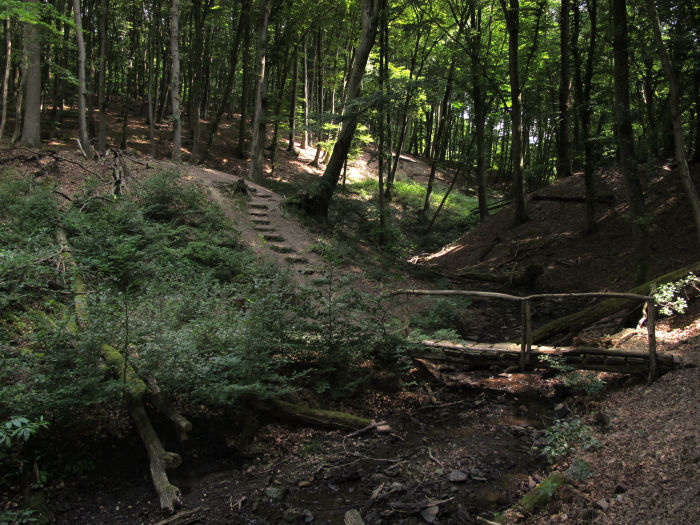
point(280, 248)
point(263, 222)
point(264, 229)
point(258, 205)
point(273, 237)
point(296, 259)
point(256, 213)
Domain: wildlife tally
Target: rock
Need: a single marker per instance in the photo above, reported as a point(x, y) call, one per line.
point(290, 515)
point(275, 493)
point(603, 504)
point(304, 484)
point(457, 476)
point(430, 514)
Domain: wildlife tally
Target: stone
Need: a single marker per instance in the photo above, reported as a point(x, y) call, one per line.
point(457, 476)
point(430, 514)
point(603, 504)
point(275, 493)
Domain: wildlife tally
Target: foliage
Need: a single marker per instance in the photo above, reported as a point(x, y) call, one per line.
point(577, 380)
point(673, 297)
point(565, 436)
point(14, 433)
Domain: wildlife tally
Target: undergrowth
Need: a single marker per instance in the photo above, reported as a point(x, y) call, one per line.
point(168, 286)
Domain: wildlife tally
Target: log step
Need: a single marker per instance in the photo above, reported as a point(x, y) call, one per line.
point(296, 259)
point(264, 229)
point(263, 222)
point(264, 196)
point(256, 213)
point(257, 205)
point(281, 248)
point(273, 237)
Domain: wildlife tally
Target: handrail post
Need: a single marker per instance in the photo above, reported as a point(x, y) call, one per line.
point(651, 332)
point(525, 333)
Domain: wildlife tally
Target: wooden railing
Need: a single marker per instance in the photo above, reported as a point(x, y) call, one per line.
point(526, 317)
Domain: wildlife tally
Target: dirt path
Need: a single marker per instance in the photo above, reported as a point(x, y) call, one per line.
point(262, 222)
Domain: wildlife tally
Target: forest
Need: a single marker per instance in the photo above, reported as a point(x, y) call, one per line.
point(349, 261)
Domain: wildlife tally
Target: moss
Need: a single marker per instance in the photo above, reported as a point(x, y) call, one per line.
point(115, 362)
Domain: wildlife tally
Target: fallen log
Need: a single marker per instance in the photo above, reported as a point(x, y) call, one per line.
point(540, 495)
point(160, 460)
point(313, 416)
point(525, 277)
point(584, 318)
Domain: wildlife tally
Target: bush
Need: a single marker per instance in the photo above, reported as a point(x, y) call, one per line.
point(565, 436)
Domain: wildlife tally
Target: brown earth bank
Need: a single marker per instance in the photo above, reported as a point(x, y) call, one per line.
point(462, 444)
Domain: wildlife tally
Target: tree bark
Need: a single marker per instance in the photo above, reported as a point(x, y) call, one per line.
point(586, 111)
point(625, 140)
point(31, 125)
point(673, 101)
point(6, 78)
point(439, 137)
point(242, 149)
point(82, 124)
point(512, 15)
point(258, 143)
point(101, 84)
point(293, 102)
point(564, 167)
point(318, 203)
point(175, 79)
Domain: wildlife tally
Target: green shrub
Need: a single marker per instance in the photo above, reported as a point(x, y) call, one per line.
point(565, 436)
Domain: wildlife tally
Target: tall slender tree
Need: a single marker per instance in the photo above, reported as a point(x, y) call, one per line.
point(31, 123)
point(82, 124)
point(175, 79)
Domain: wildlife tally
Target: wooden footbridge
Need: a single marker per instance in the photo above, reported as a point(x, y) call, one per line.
point(526, 355)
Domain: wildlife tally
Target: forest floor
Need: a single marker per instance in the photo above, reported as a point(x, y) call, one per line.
point(463, 443)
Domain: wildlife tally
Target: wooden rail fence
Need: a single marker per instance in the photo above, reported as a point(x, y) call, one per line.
point(588, 358)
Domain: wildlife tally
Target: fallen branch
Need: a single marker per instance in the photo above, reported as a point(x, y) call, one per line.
point(365, 429)
point(160, 460)
point(175, 518)
point(313, 416)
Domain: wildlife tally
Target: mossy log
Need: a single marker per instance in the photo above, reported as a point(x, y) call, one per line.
point(161, 403)
point(313, 416)
point(540, 495)
point(584, 318)
point(160, 460)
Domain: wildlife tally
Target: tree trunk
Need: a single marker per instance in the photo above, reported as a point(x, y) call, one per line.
point(245, 7)
point(673, 101)
point(101, 84)
point(319, 202)
point(6, 78)
point(512, 15)
point(439, 137)
point(242, 149)
point(82, 124)
point(479, 96)
point(305, 139)
point(175, 79)
point(625, 140)
point(586, 111)
point(258, 143)
point(564, 168)
point(31, 127)
point(293, 102)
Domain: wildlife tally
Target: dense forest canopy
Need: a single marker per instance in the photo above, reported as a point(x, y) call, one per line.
point(514, 92)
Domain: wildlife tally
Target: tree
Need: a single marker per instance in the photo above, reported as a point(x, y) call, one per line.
point(319, 201)
point(31, 125)
point(82, 124)
point(6, 78)
point(673, 98)
point(258, 142)
point(563, 146)
point(512, 15)
point(625, 140)
point(175, 79)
